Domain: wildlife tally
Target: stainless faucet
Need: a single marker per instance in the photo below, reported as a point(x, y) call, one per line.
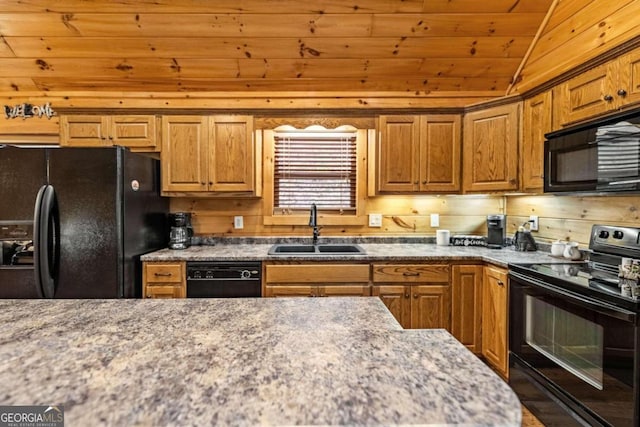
point(313, 222)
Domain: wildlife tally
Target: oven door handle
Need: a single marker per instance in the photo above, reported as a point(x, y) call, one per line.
point(597, 306)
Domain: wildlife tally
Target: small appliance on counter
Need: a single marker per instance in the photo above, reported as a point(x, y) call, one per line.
point(496, 231)
point(181, 230)
point(523, 240)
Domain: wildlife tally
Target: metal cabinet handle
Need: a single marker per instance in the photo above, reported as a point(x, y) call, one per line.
point(415, 296)
point(148, 295)
point(500, 283)
point(163, 274)
point(424, 182)
point(408, 274)
point(415, 182)
point(406, 295)
point(608, 98)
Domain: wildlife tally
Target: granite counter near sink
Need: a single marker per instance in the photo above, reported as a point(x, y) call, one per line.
point(422, 252)
point(263, 361)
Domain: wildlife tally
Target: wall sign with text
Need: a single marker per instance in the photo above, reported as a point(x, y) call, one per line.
point(26, 111)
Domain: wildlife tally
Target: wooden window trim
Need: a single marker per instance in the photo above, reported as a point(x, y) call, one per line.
point(324, 218)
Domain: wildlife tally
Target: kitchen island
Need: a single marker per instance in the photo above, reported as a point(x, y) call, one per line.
point(330, 361)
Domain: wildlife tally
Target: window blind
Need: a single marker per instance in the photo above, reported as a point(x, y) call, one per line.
point(315, 168)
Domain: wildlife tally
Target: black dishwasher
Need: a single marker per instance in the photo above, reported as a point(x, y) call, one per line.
point(224, 279)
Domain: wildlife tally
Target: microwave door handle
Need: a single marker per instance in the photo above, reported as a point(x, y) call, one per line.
point(629, 181)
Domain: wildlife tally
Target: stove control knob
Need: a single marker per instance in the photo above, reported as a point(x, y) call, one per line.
point(603, 234)
point(618, 234)
point(245, 274)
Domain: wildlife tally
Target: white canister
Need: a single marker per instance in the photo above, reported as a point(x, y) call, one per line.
point(571, 251)
point(557, 248)
point(443, 237)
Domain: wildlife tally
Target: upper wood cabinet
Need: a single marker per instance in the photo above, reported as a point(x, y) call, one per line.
point(208, 154)
point(602, 89)
point(35, 130)
point(136, 132)
point(537, 116)
point(495, 318)
point(490, 149)
point(419, 153)
point(466, 305)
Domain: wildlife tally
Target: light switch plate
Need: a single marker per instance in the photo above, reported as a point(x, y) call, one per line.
point(238, 222)
point(375, 220)
point(533, 221)
point(435, 220)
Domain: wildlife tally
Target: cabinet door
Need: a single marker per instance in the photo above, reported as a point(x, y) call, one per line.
point(537, 113)
point(231, 154)
point(290, 291)
point(133, 131)
point(184, 153)
point(440, 153)
point(430, 306)
point(397, 300)
point(490, 158)
point(398, 153)
point(344, 291)
point(629, 78)
point(589, 94)
point(494, 318)
point(164, 291)
point(466, 305)
point(84, 131)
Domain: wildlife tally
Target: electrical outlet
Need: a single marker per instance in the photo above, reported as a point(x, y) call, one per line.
point(375, 220)
point(238, 222)
point(435, 220)
point(533, 221)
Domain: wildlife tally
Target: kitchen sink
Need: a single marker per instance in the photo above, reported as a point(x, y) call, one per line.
point(324, 249)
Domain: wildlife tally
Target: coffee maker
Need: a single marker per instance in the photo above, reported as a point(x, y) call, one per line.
point(181, 230)
point(496, 231)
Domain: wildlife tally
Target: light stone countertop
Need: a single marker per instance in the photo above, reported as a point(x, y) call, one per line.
point(263, 361)
point(374, 252)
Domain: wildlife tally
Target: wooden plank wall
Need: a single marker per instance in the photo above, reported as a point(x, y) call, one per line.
point(402, 215)
point(578, 30)
point(571, 218)
point(560, 217)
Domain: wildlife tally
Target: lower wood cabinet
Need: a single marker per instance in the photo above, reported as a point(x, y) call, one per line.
point(495, 293)
point(418, 295)
point(164, 280)
point(316, 280)
point(466, 305)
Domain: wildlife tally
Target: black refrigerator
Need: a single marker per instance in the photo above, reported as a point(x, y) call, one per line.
point(74, 221)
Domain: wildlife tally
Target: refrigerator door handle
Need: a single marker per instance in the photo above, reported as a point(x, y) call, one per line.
point(45, 241)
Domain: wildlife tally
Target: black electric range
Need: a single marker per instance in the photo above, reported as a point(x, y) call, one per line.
point(574, 334)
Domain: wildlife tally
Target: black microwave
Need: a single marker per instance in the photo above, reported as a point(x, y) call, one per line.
point(597, 157)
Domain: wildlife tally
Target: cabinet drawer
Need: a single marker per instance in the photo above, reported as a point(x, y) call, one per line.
point(407, 273)
point(317, 273)
point(164, 273)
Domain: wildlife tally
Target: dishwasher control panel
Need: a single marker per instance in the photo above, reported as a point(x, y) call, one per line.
point(223, 270)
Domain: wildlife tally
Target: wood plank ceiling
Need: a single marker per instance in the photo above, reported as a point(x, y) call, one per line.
point(260, 45)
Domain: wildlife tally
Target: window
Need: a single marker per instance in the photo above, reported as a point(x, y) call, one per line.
point(315, 166)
